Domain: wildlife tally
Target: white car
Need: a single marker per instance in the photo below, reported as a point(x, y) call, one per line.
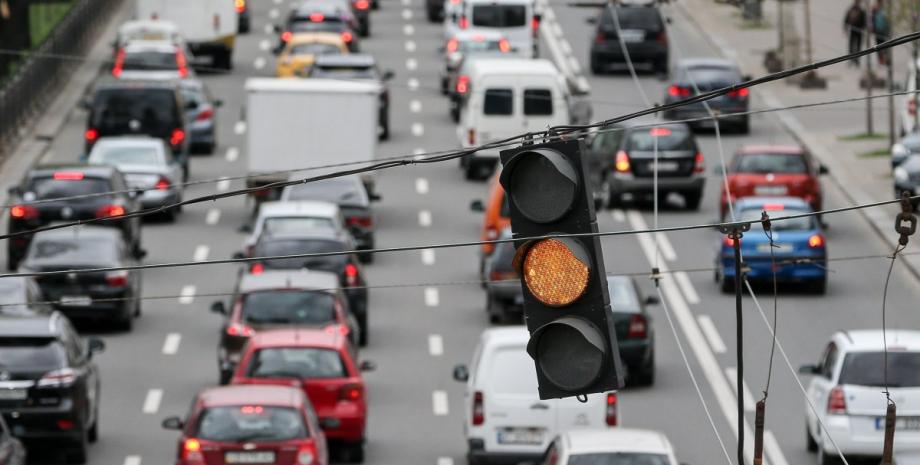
point(846, 389)
point(292, 216)
point(505, 419)
point(603, 446)
point(156, 60)
point(907, 113)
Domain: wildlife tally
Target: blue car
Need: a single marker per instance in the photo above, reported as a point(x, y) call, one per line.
point(800, 249)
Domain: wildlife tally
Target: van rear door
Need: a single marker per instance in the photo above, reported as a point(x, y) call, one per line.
point(498, 114)
point(513, 20)
point(542, 103)
point(572, 414)
point(862, 378)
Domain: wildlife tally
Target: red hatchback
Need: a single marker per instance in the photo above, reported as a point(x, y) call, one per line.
point(325, 365)
point(774, 171)
point(250, 424)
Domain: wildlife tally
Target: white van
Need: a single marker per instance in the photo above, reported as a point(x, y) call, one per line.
point(516, 20)
point(209, 26)
point(505, 97)
point(505, 419)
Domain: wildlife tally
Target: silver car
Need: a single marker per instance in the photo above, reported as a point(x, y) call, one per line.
point(201, 114)
point(148, 166)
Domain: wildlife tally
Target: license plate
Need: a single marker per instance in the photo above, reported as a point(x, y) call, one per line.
point(666, 165)
point(771, 190)
point(13, 394)
point(75, 301)
point(249, 457)
point(521, 436)
point(779, 248)
point(901, 424)
point(632, 35)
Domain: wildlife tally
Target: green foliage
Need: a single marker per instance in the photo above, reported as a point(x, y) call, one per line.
point(43, 17)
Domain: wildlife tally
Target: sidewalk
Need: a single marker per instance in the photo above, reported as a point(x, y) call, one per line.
point(827, 131)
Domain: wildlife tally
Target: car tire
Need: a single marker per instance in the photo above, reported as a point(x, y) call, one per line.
point(433, 15)
point(455, 112)
point(353, 453)
point(744, 127)
point(362, 325)
point(495, 310)
point(444, 83)
point(93, 434)
point(169, 215)
point(615, 199)
point(126, 322)
point(209, 148)
point(596, 67)
point(810, 444)
point(366, 258)
point(77, 452)
point(727, 285)
point(819, 286)
point(692, 199)
point(365, 30)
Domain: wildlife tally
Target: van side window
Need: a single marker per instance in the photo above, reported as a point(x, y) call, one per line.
point(538, 102)
point(499, 15)
point(498, 102)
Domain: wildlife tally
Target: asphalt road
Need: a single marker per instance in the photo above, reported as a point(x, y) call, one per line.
point(418, 332)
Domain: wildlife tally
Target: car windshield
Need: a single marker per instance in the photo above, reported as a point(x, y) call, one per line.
point(668, 137)
point(511, 372)
point(806, 223)
point(623, 296)
point(251, 423)
point(339, 191)
point(713, 75)
point(150, 61)
point(865, 369)
point(289, 307)
point(31, 353)
point(297, 362)
point(345, 72)
point(618, 458)
point(763, 163)
point(476, 46)
point(495, 15)
point(315, 48)
point(332, 263)
point(115, 156)
point(643, 18)
point(280, 225)
point(49, 188)
point(74, 250)
point(135, 110)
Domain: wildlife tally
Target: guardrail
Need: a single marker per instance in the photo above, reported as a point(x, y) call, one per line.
point(40, 76)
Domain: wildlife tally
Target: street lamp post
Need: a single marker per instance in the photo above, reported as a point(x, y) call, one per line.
point(810, 80)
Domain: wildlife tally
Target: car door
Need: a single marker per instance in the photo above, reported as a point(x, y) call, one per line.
point(822, 382)
point(11, 450)
point(78, 359)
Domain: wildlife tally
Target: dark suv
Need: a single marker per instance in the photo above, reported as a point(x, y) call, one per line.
point(49, 393)
point(48, 182)
point(642, 29)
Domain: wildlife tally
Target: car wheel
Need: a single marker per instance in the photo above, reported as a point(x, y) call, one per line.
point(614, 199)
point(596, 67)
point(728, 285)
point(366, 258)
point(645, 376)
point(354, 453)
point(169, 215)
point(810, 442)
point(819, 286)
point(495, 310)
point(455, 112)
point(209, 148)
point(93, 434)
point(126, 323)
point(827, 458)
point(433, 15)
point(692, 200)
point(744, 126)
point(362, 326)
point(77, 452)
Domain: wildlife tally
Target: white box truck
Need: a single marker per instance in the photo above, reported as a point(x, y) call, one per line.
point(303, 123)
point(209, 26)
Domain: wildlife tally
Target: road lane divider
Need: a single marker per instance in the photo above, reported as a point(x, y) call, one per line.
point(413, 84)
point(410, 46)
point(418, 129)
point(171, 343)
point(411, 64)
point(439, 403)
point(264, 45)
point(408, 29)
point(618, 215)
point(274, 13)
point(152, 401)
point(269, 29)
point(222, 185)
point(445, 461)
point(435, 345)
point(259, 63)
point(431, 297)
point(406, 14)
point(424, 218)
point(187, 294)
point(732, 374)
point(232, 154)
point(201, 253)
point(428, 257)
point(774, 453)
point(683, 280)
point(712, 335)
point(415, 106)
point(665, 247)
point(132, 460)
point(212, 217)
point(239, 128)
point(421, 186)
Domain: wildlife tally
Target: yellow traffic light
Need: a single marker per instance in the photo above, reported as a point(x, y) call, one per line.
point(554, 274)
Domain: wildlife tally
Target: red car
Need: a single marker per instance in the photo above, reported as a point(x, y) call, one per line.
point(325, 364)
point(774, 171)
point(250, 424)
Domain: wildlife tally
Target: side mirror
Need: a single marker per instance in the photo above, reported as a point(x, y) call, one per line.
point(651, 300)
point(218, 307)
point(276, 28)
point(746, 77)
point(95, 346)
point(461, 373)
point(375, 197)
point(139, 254)
point(477, 206)
point(368, 365)
point(191, 105)
point(238, 255)
point(591, 20)
point(809, 369)
point(822, 169)
point(174, 423)
point(218, 103)
point(388, 74)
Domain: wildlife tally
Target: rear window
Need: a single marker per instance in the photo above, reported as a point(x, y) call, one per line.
point(473, 46)
point(49, 188)
point(155, 110)
point(315, 49)
point(297, 246)
point(647, 19)
point(538, 102)
point(498, 102)
point(289, 307)
point(667, 137)
point(499, 15)
point(344, 72)
point(156, 61)
point(32, 353)
point(294, 223)
point(623, 296)
point(115, 156)
point(75, 250)
point(511, 372)
point(763, 163)
point(339, 191)
point(297, 362)
point(716, 76)
point(618, 458)
point(865, 369)
point(251, 423)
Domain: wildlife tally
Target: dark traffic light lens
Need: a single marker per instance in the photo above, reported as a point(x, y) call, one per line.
point(543, 185)
point(570, 353)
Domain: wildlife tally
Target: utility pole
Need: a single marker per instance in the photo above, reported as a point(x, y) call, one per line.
point(810, 80)
point(869, 80)
point(915, 22)
point(891, 119)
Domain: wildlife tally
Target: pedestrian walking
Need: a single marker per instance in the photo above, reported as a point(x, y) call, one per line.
point(881, 29)
point(854, 26)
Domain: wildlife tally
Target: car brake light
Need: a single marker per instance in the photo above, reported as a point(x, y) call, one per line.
point(240, 5)
point(662, 38)
point(58, 378)
point(306, 454)
point(599, 38)
point(351, 392)
point(774, 207)
point(162, 184)
point(464, 23)
point(119, 63)
point(347, 37)
point(117, 278)
point(678, 91)
point(453, 45)
point(471, 136)
point(317, 17)
point(479, 412)
point(338, 329)
point(107, 211)
point(638, 327)
point(239, 329)
point(23, 212)
point(191, 450)
point(699, 165)
point(257, 268)
point(68, 176)
point(177, 136)
point(91, 135)
point(836, 401)
point(181, 63)
point(621, 163)
point(610, 410)
point(362, 4)
point(286, 36)
point(659, 132)
point(535, 24)
point(351, 275)
point(463, 84)
point(728, 242)
point(816, 241)
point(251, 409)
point(504, 46)
point(205, 115)
point(362, 221)
point(739, 93)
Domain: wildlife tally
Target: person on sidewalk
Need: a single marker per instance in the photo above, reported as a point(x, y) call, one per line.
point(854, 24)
point(881, 28)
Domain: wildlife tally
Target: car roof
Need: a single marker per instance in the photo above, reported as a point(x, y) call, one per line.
point(325, 7)
point(351, 59)
point(82, 233)
point(792, 149)
point(871, 339)
point(616, 440)
point(245, 394)
point(294, 279)
point(31, 325)
point(89, 170)
point(746, 203)
point(159, 25)
point(706, 62)
point(645, 123)
point(528, 66)
point(129, 141)
point(298, 337)
point(298, 208)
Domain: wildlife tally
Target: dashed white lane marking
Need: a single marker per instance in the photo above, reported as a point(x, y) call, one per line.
point(557, 29)
point(201, 253)
point(239, 128)
point(133, 460)
point(774, 453)
point(259, 63)
point(264, 45)
point(223, 184)
point(435, 345)
point(408, 29)
point(273, 13)
point(418, 129)
point(413, 84)
point(406, 2)
point(277, 2)
point(411, 64)
point(431, 297)
point(152, 401)
point(232, 154)
point(187, 294)
point(406, 14)
point(212, 217)
point(269, 29)
point(428, 256)
point(424, 218)
point(618, 215)
point(421, 186)
point(410, 46)
point(418, 151)
point(732, 375)
point(171, 343)
point(664, 246)
point(683, 281)
point(415, 106)
point(445, 461)
point(566, 48)
point(439, 402)
point(712, 335)
point(573, 63)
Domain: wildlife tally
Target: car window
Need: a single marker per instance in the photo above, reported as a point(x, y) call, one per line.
point(667, 137)
point(32, 353)
point(345, 72)
point(476, 46)
point(511, 372)
point(805, 223)
point(867, 369)
point(718, 75)
point(829, 360)
point(115, 156)
point(250, 423)
point(281, 225)
point(150, 61)
point(297, 362)
point(76, 250)
point(289, 307)
point(338, 191)
point(607, 142)
point(153, 109)
point(623, 296)
point(332, 263)
point(47, 187)
point(647, 19)
point(499, 15)
point(315, 49)
point(618, 458)
point(503, 256)
point(538, 102)
point(762, 163)
point(498, 102)
point(14, 298)
point(193, 94)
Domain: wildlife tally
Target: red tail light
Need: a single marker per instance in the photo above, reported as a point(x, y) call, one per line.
point(286, 36)
point(621, 163)
point(453, 45)
point(479, 410)
point(205, 115)
point(362, 221)
point(836, 401)
point(662, 38)
point(599, 38)
point(191, 450)
point(68, 176)
point(238, 329)
point(162, 184)
point(610, 410)
point(317, 17)
point(535, 26)
point(504, 46)
point(471, 136)
point(351, 392)
point(107, 211)
point(464, 22)
point(119, 63)
point(699, 164)
point(351, 275)
point(740, 93)
point(728, 242)
point(177, 136)
point(638, 327)
point(65, 424)
point(181, 63)
point(463, 84)
point(347, 37)
point(306, 455)
point(257, 268)
point(240, 5)
point(23, 212)
point(362, 4)
point(117, 278)
point(678, 91)
point(91, 135)
point(816, 241)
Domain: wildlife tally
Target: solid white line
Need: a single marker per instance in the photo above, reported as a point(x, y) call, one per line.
point(408, 29)
point(223, 184)
point(774, 453)
point(410, 46)
point(133, 460)
point(439, 402)
point(232, 154)
point(557, 29)
point(413, 84)
point(709, 329)
point(212, 217)
point(732, 375)
point(565, 46)
point(152, 401)
point(240, 127)
point(664, 246)
point(435, 345)
point(424, 218)
point(573, 63)
point(431, 297)
point(421, 186)
point(445, 461)
point(201, 253)
point(259, 63)
point(187, 294)
point(171, 343)
point(428, 257)
point(683, 280)
point(411, 64)
point(264, 45)
point(418, 129)
point(618, 215)
point(406, 14)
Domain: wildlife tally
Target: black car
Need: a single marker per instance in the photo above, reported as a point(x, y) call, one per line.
point(642, 29)
point(243, 16)
point(704, 75)
point(633, 326)
point(504, 297)
point(21, 295)
point(111, 295)
point(351, 196)
point(434, 10)
point(347, 267)
point(12, 452)
point(138, 107)
point(45, 183)
point(320, 16)
point(49, 393)
point(621, 160)
point(358, 67)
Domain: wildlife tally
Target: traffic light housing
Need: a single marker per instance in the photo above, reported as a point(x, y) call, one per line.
point(566, 302)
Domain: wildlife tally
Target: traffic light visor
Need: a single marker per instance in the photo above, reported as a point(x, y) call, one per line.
point(542, 184)
point(556, 271)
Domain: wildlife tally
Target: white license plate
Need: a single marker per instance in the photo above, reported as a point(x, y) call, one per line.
point(13, 394)
point(901, 424)
point(632, 35)
point(666, 165)
point(771, 190)
point(780, 248)
point(249, 457)
point(520, 436)
point(75, 301)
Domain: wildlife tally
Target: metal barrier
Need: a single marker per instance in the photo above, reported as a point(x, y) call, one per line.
point(42, 74)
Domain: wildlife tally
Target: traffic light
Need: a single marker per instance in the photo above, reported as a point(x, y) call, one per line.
point(566, 304)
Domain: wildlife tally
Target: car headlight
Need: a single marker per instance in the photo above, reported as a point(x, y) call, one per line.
point(901, 175)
